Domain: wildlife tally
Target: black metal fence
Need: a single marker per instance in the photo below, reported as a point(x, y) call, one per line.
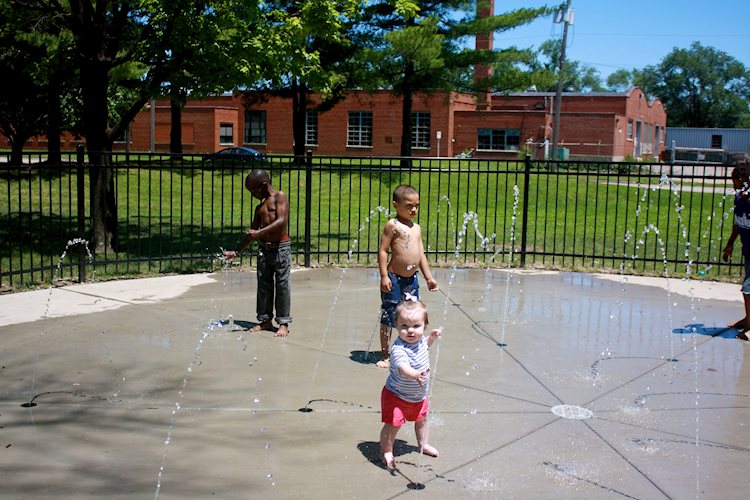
point(175, 213)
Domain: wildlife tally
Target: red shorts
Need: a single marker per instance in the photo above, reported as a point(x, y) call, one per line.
point(395, 411)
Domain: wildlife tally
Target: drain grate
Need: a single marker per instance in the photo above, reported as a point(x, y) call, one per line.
point(572, 412)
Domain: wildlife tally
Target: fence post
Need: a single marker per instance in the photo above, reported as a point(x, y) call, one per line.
point(525, 209)
point(80, 188)
point(308, 207)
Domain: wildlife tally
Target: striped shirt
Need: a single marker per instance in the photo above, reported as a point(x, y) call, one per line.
point(417, 356)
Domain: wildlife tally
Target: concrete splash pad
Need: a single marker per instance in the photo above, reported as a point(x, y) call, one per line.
point(154, 398)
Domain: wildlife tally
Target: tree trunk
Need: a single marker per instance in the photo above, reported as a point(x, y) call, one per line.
point(16, 152)
point(54, 128)
point(103, 208)
point(175, 132)
point(299, 119)
point(406, 108)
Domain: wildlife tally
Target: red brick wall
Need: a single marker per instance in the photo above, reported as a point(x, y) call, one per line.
point(587, 134)
point(333, 124)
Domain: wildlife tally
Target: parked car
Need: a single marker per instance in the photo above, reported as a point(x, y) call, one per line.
point(242, 154)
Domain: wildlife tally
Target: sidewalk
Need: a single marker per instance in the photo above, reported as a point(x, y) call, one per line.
point(136, 389)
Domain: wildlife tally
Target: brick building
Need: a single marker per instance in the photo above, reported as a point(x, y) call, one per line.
point(613, 125)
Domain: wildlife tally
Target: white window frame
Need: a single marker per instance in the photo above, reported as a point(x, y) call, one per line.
point(420, 130)
point(226, 130)
point(359, 129)
point(311, 128)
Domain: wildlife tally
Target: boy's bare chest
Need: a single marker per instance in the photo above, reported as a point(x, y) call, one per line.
point(404, 236)
point(267, 211)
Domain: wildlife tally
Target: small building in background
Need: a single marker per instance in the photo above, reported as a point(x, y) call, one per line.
point(706, 145)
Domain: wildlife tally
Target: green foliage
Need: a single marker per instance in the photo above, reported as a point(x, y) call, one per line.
point(620, 80)
point(700, 87)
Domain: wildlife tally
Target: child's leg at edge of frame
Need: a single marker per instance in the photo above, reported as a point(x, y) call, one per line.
point(385, 339)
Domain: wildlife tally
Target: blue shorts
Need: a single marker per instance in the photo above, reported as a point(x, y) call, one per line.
point(400, 286)
point(746, 281)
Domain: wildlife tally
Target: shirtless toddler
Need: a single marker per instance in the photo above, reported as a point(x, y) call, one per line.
point(398, 277)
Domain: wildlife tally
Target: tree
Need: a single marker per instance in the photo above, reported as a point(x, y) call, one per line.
point(122, 50)
point(205, 58)
point(35, 64)
point(23, 107)
point(699, 87)
point(620, 80)
point(421, 46)
point(306, 44)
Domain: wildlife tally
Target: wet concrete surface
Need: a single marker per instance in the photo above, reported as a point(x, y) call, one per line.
point(138, 389)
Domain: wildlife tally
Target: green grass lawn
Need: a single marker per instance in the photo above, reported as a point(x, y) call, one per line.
point(174, 216)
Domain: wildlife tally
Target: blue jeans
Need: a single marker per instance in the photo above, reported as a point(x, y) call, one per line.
point(274, 286)
point(746, 281)
point(400, 286)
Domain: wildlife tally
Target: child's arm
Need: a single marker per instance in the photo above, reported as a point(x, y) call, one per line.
point(730, 243)
point(231, 254)
point(434, 335)
point(424, 267)
point(409, 372)
point(385, 244)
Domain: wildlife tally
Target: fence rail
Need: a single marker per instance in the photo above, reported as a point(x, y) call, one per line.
point(174, 213)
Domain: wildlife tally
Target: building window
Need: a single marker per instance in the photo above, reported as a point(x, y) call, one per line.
point(255, 127)
point(647, 143)
point(716, 141)
point(226, 134)
point(630, 130)
point(311, 128)
point(359, 133)
point(498, 139)
point(420, 129)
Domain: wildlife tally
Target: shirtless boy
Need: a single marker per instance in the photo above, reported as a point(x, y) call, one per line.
point(398, 278)
point(270, 228)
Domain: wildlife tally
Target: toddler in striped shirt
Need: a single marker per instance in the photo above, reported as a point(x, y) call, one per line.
point(404, 397)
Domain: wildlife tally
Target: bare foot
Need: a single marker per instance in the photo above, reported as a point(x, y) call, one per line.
point(429, 450)
point(740, 324)
point(388, 460)
point(383, 363)
point(283, 331)
point(266, 325)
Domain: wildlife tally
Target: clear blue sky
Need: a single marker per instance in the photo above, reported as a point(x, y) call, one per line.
point(609, 34)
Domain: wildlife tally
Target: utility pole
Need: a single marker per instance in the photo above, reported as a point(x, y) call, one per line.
point(565, 16)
